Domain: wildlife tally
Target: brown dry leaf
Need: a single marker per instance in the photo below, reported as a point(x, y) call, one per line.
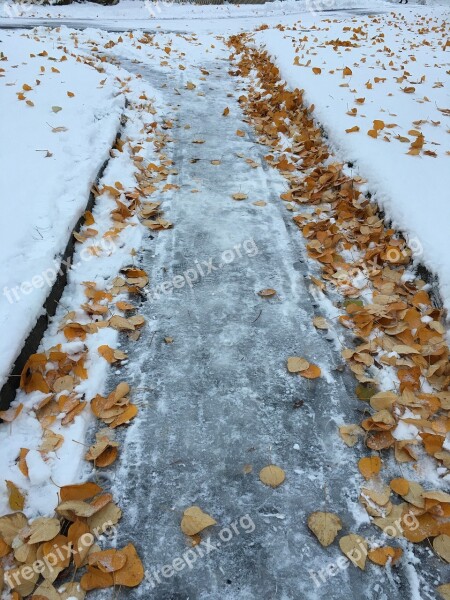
point(369, 466)
point(122, 305)
point(80, 491)
point(226, 112)
point(267, 292)
point(400, 486)
point(240, 133)
point(74, 331)
point(95, 579)
point(75, 508)
point(320, 323)
point(89, 218)
point(16, 498)
point(46, 591)
point(381, 556)
point(296, 364)
point(11, 525)
point(22, 463)
point(355, 549)
point(108, 561)
point(4, 548)
point(272, 476)
point(110, 354)
point(350, 434)
point(11, 414)
point(75, 536)
point(428, 527)
point(105, 450)
point(444, 591)
point(378, 125)
point(132, 574)
point(51, 441)
point(239, 196)
point(383, 400)
point(107, 457)
point(107, 516)
point(26, 583)
point(325, 526)
point(43, 530)
point(260, 203)
point(121, 323)
point(312, 372)
point(125, 417)
point(216, 162)
point(62, 384)
point(195, 520)
point(441, 545)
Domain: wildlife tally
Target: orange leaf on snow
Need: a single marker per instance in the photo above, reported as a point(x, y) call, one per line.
point(74, 331)
point(88, 218)
point(16, 498)
point(11, 414)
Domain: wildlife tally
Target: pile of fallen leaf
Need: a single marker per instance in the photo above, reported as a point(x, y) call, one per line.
point(391, 317)
point(65, 544)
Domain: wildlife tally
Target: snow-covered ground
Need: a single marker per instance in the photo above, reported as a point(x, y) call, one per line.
point(380, 86)
point(58, 121)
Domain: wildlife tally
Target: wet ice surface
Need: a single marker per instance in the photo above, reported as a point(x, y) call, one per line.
point(219, 397)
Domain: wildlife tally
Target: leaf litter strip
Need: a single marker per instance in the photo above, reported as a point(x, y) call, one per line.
point(394, 324)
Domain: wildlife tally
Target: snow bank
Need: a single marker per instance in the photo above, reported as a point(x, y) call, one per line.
point(391, 72)
point(58, 121)
point(134, 14)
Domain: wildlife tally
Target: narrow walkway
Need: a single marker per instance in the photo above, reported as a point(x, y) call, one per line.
point(219, 397)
